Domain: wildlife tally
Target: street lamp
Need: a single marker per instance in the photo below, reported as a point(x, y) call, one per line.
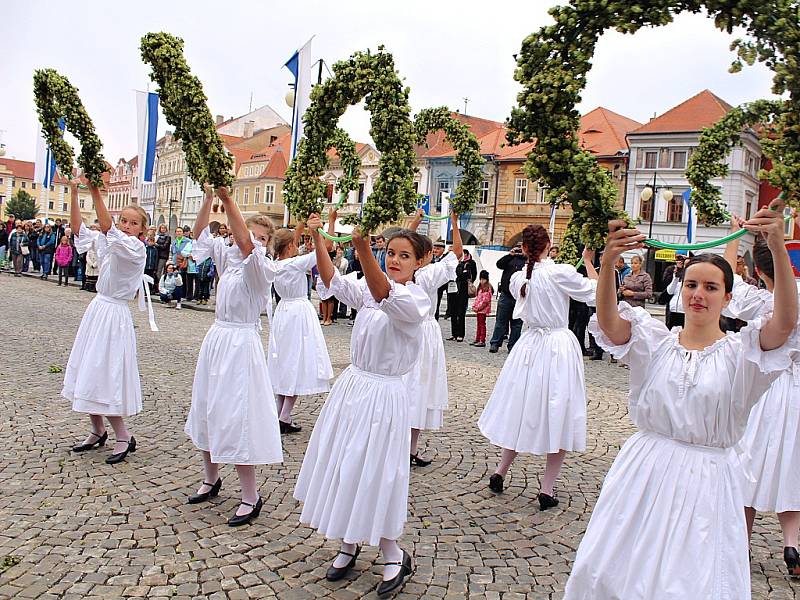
point(289, 97)
point(649, 194)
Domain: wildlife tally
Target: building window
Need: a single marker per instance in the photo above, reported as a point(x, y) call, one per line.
point(679, 159)
point(257, 195)
point(33, 185)
point(361, 193)
point(269, 193)
point(675, 209)
point(52, 188)
point(416, 186)
point(80, 201)
point(484, 196)
point(444, 188)
point(236, 194)
point(650, 160)
point(2, 199)
point(788, 227)
point(66, 189)
point(520, 191)
point(50, 205)
point(646, 209)
point(541, 193)
point(749, 201)
point(64, 207)
point(24, 184)
point(663, 158)
point(329, 192)
point(246, 195)
point(13, 183)
point(1, 181)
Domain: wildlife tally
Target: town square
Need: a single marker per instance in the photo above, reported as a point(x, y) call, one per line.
point(318, 315)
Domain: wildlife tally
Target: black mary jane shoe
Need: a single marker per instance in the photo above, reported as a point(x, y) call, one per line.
point(120, 456)
point(212, 493)
point(496, 483)
point(792, 560)
point(99, 442)
point(238, 520)
point(546, 501)
point(289, 427)
point(416, 461)
point(337, 573)
point(387, 587)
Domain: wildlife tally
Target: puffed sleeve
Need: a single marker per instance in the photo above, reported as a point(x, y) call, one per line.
point(206, 246)
point(123, 246)
point(747, 301)
point(304, 262)
point(515, 284)
point(406, 305)
point(646, 335)
point(674, 286)
point(85, 239)
point(435, 275)
point(575, 285)
point(346, 288)
point(259, 271)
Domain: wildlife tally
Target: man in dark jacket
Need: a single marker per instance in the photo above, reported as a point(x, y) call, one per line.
point(46, 245)
point(504, 323)
point(163, 243)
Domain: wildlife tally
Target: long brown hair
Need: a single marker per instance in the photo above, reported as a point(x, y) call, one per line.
point(534, 240)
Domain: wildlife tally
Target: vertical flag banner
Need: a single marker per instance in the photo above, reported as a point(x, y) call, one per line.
point(552, 227)
point(146, 125)
point(444, 231)
point(690, 221)
point(45, 165)
point(300, 67)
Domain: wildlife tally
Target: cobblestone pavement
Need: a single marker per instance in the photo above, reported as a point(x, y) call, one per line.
point(84, 529)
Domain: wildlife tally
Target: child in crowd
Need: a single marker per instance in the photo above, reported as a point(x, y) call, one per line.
point(64, 259)
point(482, 307)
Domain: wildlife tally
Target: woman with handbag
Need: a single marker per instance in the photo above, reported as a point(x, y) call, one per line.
point(18, 244)
point(466, 273)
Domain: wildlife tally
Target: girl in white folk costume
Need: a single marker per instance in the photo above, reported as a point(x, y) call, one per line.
point(770, 448)
point(102, 376)
point(427, 382)
point(354, 478)
point(539, 402)
point(669, 521)
point(297, 356)
point(233, 418)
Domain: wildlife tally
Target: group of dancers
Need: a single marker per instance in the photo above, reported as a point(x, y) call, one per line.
point(670, 520)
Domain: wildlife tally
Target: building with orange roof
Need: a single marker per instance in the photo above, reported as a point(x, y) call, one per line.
point(119, 187)
point(659, 153)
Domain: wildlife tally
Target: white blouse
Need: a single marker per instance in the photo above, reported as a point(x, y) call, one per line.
point(546, 301)
point(291, 280)
point(121, 259)
point(433, 276)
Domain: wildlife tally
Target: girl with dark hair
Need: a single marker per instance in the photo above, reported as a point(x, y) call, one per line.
point(669, 521)
point(538, 405)
point(354, 478)
point(770, 447)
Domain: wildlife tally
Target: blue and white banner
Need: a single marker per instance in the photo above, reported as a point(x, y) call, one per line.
point(552, 228)
point(691, 225)
point(44, 168)
point(146, 125)
point(300, 67)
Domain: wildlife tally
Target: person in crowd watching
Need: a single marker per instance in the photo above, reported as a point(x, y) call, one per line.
point(170, 286)
point(505, 324)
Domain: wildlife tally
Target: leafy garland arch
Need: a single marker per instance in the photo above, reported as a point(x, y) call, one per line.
point(57, 98)
point(552, 67)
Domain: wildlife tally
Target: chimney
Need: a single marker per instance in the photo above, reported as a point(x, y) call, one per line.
point(248, 129)
point(219, 120)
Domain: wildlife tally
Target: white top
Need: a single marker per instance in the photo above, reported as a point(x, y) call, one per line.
point(433, 276)
point(244, 282)
point(291, 280)
point(699, 397)
point(546, 301)
point(674, 288)
point(121, 258)
point(387, 335)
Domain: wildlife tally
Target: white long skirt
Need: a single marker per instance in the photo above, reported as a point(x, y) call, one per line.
point(427, 381)
point(102, 375)
point(771, 449)
point(298, 359)
point(354, 478)
point(233, 414)
point(538, 404)
point(668, 525)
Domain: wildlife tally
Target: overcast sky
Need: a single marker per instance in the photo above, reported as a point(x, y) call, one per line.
point(446, 50)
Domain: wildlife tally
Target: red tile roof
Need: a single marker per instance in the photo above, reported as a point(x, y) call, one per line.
point(437, 145)
point(694, 114)
point(20, 168)
point(603, 131)
point(277, 166)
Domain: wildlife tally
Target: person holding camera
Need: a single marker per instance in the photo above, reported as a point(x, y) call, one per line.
point(675, 314)
point(504, 321)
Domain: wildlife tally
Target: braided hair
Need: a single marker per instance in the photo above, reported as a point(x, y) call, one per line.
point(534, 241)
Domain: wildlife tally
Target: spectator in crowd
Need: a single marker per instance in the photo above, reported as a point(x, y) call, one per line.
point(46, 245)
point(151, 256)
point(179, 254)
point(63, 257)
point(170, 286)
point(92, 264)
point(636, 287)
point(342, 265)
point(18, 246)
point(553, 254)
point(10, 225)
point(466, 273)
point(379, 251)
point(205, 275)
point(505, 324)
point(78, 264)
point(58, 230)
point(438, 253)
point(163, 243)
point(482, 307)
point(744, 272)
point(33, 244)
point(3, 246)
point(354, 267)
point(666, 297)
point(26, 259)
point(623, 268)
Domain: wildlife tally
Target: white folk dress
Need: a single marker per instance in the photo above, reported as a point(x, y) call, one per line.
point(354, 478)
point(427, 382)
point(539, 401)
point(102, 375)
point(669, 522)
point(233, 415)
point(770, 448)
point(297, 357)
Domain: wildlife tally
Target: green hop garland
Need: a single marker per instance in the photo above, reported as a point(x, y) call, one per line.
point(363, 75)
point(185, 107)
point(57, 98)
point(552, 67)
point(468, 154)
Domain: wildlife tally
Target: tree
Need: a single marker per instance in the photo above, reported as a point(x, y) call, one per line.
point(23, 206)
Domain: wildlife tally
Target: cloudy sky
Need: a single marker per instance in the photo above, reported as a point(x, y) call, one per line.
point(446, 50)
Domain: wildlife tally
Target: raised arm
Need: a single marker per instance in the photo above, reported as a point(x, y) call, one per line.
point(776, 331)
point(240, 232)
point(331, 229)
point(732, 247)
point(378, 285)
point(75, 218)
point(458, 247)
point(619, 240)
point(588, 262)
point(103, 216)
point(324, 262)
point(205, 211)
point(298, 233)
point(418, 216)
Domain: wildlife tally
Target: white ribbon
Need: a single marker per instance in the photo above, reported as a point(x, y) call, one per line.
point(145, 289)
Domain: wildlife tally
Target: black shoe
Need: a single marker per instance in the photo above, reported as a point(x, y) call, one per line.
point(236, 521)
point(587, 352)
point(387, 587)
point(419, 462)
point(289, 427)
point(101, 441)
point(496, 483)
point(597, 357)
point(546, 501)
point(212, 493)
point(119, 457)
point(792, 560)
point(337, 573)
point(493, 349)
